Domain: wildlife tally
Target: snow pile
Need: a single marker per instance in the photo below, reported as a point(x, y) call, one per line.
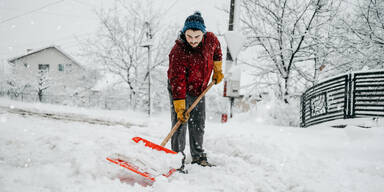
point(274, 111)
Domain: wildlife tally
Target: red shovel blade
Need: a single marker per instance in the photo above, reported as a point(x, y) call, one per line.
point(126, 162)
point(128, 165)
point(153, 145)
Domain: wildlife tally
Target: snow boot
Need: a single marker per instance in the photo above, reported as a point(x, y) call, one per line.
point(202, 161)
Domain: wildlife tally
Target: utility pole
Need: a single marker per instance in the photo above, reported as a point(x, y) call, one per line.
point(231, 88)
point(230, 28)
point(229, 60)
point(148, 45)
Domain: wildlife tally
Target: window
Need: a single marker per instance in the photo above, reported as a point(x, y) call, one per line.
point(44, 67)
point(61, 67)
point(68, 67)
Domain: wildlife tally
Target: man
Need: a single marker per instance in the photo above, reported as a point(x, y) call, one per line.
point(192, 59)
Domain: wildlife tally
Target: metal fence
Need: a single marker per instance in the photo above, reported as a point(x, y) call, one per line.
point(359, 94)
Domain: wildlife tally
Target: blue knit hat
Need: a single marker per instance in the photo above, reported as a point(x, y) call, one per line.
point(194, 21)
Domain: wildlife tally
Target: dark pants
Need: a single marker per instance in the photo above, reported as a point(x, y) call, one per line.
point(196, 125)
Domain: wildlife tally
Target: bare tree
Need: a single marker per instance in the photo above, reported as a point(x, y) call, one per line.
point(357, 41)
point(21, 80)
point(118, 44)
point(42, 84)
point(364, 34)
point(284, 31)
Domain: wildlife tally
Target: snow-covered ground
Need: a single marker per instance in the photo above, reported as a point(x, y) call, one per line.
point(52, 154)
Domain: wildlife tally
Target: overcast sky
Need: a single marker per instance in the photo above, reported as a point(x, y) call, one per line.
point(33, 24)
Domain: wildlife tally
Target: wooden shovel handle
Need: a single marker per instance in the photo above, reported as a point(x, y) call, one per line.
point(177, 125)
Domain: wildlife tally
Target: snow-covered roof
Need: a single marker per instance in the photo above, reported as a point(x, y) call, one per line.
point(13, 59)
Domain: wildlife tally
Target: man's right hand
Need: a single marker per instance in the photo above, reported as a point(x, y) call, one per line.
point(179, 106)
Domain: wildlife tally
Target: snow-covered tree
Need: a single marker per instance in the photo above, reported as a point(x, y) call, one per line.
point(357, 38)
point(286, 36)
point(42, 83)
point(21, 80)
point(364, 30)
point(119, 47)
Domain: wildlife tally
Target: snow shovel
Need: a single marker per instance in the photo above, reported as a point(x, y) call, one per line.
point(132, 164)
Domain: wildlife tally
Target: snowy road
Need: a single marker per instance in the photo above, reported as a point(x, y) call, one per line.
point(44, 154)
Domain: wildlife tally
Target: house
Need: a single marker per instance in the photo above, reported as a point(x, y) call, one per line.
point(49, 70)
point(50, 59)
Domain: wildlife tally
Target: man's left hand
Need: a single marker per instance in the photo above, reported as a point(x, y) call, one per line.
point(217, 72)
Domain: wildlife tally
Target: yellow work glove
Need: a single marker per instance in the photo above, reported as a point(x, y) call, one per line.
point(217, 72)
point(179, 106)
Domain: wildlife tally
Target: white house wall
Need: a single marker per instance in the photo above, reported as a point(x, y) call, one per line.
point(48, 56)
point(60, 82)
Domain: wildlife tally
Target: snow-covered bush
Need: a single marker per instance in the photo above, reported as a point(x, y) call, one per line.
point(275, 111)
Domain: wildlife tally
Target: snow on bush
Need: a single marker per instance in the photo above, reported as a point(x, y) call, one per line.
point(277, 112)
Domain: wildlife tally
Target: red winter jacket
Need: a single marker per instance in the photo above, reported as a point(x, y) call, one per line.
point(190, 68)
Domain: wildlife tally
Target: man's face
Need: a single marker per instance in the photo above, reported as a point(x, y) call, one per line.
point(194, 37)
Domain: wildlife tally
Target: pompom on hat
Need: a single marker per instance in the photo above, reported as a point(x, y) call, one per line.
point(194, 21)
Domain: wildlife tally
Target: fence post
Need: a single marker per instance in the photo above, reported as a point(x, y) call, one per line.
point(353, 95)
point(302, 107)
point(347, 102)
point(350, 96)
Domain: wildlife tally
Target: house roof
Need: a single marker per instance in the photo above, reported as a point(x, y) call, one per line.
point(13, 59)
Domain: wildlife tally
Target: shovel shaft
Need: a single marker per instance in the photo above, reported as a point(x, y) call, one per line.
point(177, 125)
